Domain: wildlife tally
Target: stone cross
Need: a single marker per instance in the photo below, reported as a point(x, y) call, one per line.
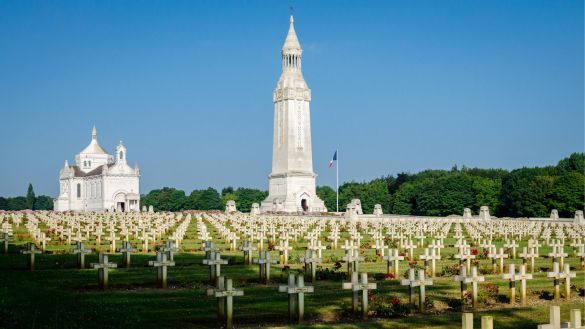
point(432, 257)
point(421, 282)
point(283, 249)
point(126, 250)
point(581, 255)
point(533, 243)
point(112, 238)
point(5, 238)
point(575, 243)
point(233, 241)
point(226, 296)
point(558, 254)
point(528, 253)
point(311, 261)
point(393, 258)
point(465, 255)
point(462, 279)
point(296, 292)
point(161, 263)
point(557, 275)
point(364, 287)
point(81, 251)
point(103, 266)
point(511, 276)
point(30, 252)
point(437, 245)
point(352, 258)
point(214, 262)
point(247, 248)
point(512, 245)
point(410, 246)
point(498, 256)
point(349, 286)
point(169, 248)
point(474, 279)
point(379, 247)
point(523, 276)
point(208, 247)
point(319, 247)
point(264, 262)
point(43, 239)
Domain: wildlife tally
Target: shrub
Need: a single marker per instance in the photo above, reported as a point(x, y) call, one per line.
point(389, 307)
point(450, 270)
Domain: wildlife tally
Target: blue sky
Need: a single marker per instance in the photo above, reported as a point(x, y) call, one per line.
point(187, 85)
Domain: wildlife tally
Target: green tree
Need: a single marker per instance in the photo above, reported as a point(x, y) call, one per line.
point(445, 196)
point(328, 195)
point(524, 192)
point(486, 192)
point(208, 199)
point(404, 200)
point(44, 202)
point(17, 203)
point(3, 203)
point(165, 199)
point(30, 197)
point(575, 162)
point(567, 194)
point(246, 196)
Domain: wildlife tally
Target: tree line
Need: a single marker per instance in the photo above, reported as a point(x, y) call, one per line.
point(524, 192)
point(30, 201)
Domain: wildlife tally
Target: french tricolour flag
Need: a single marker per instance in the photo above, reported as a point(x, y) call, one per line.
point(332, 160)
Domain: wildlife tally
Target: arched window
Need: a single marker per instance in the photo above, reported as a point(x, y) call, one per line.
point(78, 190)
point(121, 155)
point(85, 163)
point(89, 163)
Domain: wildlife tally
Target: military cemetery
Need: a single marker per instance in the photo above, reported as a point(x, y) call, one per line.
point(461, 248)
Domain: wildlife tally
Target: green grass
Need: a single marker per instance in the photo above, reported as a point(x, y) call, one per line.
point(57, 295)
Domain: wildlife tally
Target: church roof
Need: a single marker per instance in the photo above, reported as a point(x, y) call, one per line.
point(291, 42)
point(77, 172)
point(94, 147)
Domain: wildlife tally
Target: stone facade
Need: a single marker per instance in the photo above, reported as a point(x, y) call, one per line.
point(98, 182)
point(292, 180)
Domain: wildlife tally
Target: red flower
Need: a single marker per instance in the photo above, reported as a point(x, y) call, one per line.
point(395, 301)
point(389, 276)
point(474, 251)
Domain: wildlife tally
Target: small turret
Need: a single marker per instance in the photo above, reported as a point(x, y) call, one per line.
point(121, 153)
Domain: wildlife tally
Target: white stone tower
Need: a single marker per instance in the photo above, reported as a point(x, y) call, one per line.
point(292, 180)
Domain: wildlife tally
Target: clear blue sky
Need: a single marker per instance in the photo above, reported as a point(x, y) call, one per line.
point(187, 85)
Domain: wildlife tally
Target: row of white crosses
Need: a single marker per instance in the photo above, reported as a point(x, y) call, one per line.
point(113, 227)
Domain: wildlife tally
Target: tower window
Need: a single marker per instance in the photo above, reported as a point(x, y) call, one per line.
point(121, 155)
point(85, 163)
point(78, 191)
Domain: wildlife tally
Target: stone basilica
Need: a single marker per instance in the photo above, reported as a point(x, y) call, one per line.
point(97, 182)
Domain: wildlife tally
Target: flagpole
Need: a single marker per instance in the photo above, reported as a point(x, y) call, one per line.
point(337, 179)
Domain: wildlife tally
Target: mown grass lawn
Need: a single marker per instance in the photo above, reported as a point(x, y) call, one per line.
point(57, 295)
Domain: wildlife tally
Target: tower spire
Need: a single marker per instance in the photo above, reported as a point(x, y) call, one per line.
point(291, 42)
point(94, 133)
